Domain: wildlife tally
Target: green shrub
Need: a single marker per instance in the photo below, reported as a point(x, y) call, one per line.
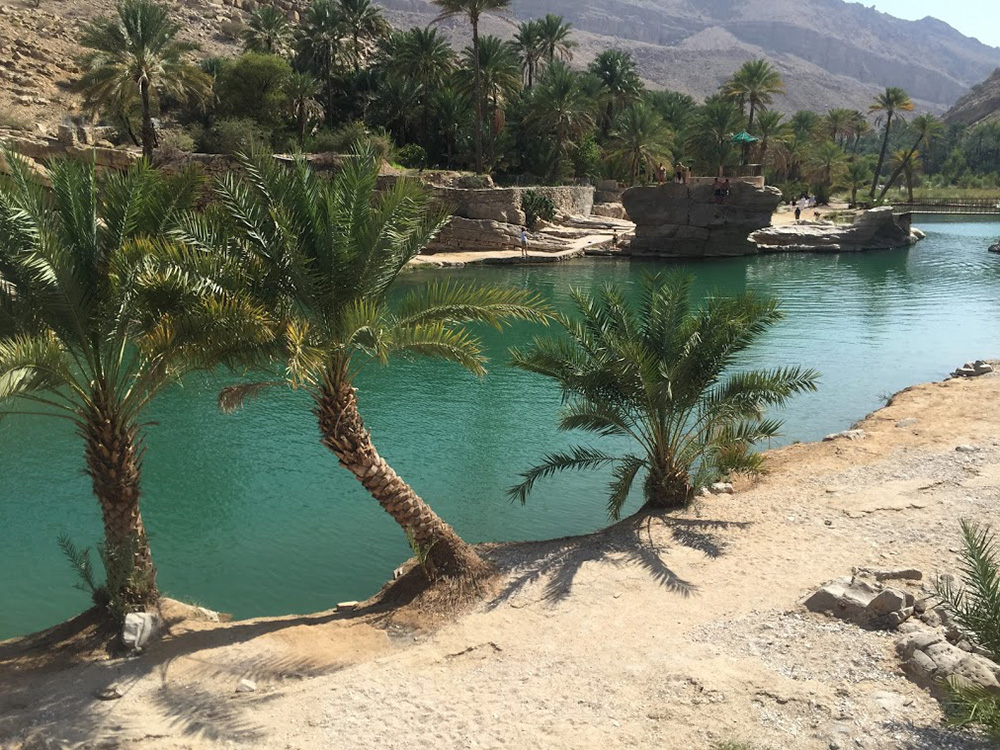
point(412, 156)
point(348, 137)
point(254, 86)
point(232, 136)
point(587, 160)
point(537, 207)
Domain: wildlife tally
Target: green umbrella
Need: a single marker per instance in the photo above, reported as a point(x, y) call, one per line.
point(744, 137)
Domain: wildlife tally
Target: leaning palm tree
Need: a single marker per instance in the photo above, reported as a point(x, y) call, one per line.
point(888, 105)
point(135, 59)
point(927, 129)
point(620, 84)
point(363, 22)
point(529, 45)
point(753, 86)
point(98, 312)
point(907, 163)
point(640, 139)
point(302, 89)
point(554, 38)
point(329, 254)
point(663, 376)
point(268, 31)
point(474, 10)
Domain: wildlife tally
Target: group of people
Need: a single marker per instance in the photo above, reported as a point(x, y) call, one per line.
point(720, 189)
point(805, 201)
point(681, 173)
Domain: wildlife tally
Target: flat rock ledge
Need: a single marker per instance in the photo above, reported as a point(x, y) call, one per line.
point(877, 229)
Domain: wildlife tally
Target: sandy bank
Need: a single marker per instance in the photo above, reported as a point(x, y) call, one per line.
point(657, 633)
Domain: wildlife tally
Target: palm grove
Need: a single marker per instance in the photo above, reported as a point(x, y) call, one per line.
point(515, 108)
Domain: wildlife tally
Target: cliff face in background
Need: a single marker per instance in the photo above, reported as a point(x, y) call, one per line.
point(979, 105)
point(831, 53)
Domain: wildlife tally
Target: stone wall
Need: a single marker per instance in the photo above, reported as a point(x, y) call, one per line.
point(684, 221)
point(504, 204)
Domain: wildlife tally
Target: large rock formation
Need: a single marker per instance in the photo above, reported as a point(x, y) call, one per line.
point(684, 221)
point(877, 229)
point(979, 105)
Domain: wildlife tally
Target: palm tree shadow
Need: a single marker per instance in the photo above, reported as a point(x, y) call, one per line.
point(629, 542)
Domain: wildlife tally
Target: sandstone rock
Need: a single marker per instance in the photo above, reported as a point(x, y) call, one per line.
point(848, 435)
point(845, 598)
point(928, 658)
point(110, 693)
point(966, 448)
point(721, 488)
point(611, 210)
point(246, 686)
point(995, 248)
point(889, 600)
point(904, 574)
point(908, 422)
point(139, 628)
point(876, 229)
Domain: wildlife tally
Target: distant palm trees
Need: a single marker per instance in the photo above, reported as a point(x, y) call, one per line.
point(559, 107)
point(268, 31)
point(641, 139)
point(888, 105)
point(529, 45)
point(753, 87)
point(362, 22)
point(620, 84)
point(135, 58)
point(500, 79)
point(554, 38)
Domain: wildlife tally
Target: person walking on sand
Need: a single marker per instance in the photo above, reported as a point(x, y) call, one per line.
point(798, 213)
point(524, 243)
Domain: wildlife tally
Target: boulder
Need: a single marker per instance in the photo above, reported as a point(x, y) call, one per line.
point(973, 369)
point(928, 659)
point(876, 229)
point(246, 686)
point(995, 248)
point(847, 434)
point(610, 210)
point(846, 598)
point(139, 628)
point(483, 235)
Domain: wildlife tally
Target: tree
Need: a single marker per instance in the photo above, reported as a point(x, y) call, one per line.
point(319, 40)
point(500, 79)
point(856, 176)
point(329, 253)
point(97, 313)
point(301, 89)
point(771, 130)
point(858, 129)
point(255, 86)
point(135, 59)
point(837, 124)
point(710, 134)
point(554, 38)
point(826, 164)
point(927, 129)
point(267, 31)
point(363, 21)
point(424, 56)
point(558, 107)
point(676, 108)
point(529, 45)
point(908, 164)
point(663, 375)
point(641, 138)
point(754, 85)
point(620, 84)
point(888, 104)
point(473, 10)
point(805, 124)
point(451, 113)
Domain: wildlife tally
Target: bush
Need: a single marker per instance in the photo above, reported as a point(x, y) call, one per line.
point(348, 137)
point(537, 207)
point(254, 86)
point(232, 136)
point(587, 159)
point(412, 156)
point(231, 30)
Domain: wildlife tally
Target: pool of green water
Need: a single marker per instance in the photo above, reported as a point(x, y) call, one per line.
point(248, 514)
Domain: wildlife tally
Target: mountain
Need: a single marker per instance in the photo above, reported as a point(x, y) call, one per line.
point(982, 103)
point(831, 53)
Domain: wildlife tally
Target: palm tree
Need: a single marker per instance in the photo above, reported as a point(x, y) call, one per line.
point(856, 176)
point(554, 38)
point(97, 313)
point(805, 124)
point(837, 124)
point(907, 163)
point(422, 55)
point(710, 134)
point(529, 45)
point(771, 130)
point(473, 10)
point(676, 108)
point(363, 21)
point(268, 31)
point(329, 253)
point(858, 129)
point(641, 138)
point(662, 375)
point(451, 113)
point(319, 41)
point(888, 104)
point(500, 80)
point(754, 85)
point(302, 89)
point(826, 165)
point(135, 59)
point(559, 107)
point(620, 84)
point(928, 129)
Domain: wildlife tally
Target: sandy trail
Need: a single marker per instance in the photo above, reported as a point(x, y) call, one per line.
point(661, 632)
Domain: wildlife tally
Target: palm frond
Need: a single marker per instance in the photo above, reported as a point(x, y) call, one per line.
point(576, 458)
point(455, 302)
point(232, 398)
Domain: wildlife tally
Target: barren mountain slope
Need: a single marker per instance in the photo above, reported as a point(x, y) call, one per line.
point(979, 105)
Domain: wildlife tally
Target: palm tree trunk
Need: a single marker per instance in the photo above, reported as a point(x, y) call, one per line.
point(344, 433)
point(666, 489)
point(114, 463)
point(895, 174)
point(357, 53)
point(302, 125)
point(479, 94)
point(148, 133)
point(881, 156)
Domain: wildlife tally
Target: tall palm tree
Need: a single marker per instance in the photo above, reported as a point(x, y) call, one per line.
point(268, 31)
point(135, 58)
point(620, 84)
point(474, 10)
point(363, 21)
point(500, 80)
point(302, 90)
point(805, 125)
point(329, 253)
point(641, 138)
point(422, 55)
point(319, 42)
point(927, 129)
point(889, 104)
point(858, 129)
point(663, 375)
point(559, 107)
point(529, 45)
point(554, 38)
point(97, 313)
point(676, 108)
point(753, 86)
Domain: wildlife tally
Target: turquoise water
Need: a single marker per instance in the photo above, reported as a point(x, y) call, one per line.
point(250, 515)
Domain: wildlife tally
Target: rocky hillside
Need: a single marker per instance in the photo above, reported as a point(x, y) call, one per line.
point(831, 53)
point(979, 105)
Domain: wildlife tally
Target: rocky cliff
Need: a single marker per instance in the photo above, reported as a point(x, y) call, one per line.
point(982, 103)
point(684, 221)
point(877, 229)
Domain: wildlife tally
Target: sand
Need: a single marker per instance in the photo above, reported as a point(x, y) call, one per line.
point(660, 632)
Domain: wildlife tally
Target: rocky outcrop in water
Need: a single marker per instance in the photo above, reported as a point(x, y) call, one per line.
point(877, 229)
point(684, 221)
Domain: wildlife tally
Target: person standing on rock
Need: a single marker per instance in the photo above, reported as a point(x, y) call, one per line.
point(524, 243)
